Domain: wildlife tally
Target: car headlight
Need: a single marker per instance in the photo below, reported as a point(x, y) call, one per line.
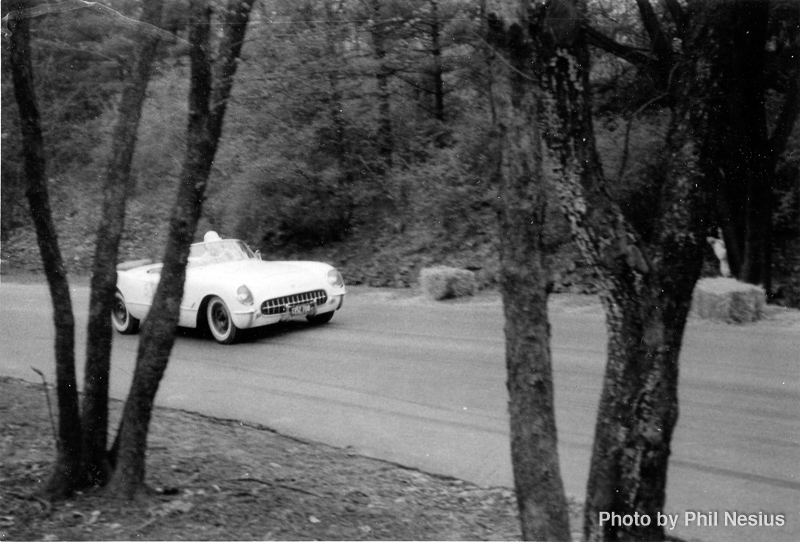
point(244, 295)
point(335, 279)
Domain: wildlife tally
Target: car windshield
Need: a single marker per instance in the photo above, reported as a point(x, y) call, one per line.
point(227, 250)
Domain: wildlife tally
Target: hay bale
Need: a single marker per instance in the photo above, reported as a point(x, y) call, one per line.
point(728, 300)
point(447, 282)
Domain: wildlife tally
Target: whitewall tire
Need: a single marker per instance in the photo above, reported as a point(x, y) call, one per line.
point(220, 322)
point(121, 319)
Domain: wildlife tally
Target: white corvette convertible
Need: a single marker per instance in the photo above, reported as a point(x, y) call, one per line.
point(229, 288)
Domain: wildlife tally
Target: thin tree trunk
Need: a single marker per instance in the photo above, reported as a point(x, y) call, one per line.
point(68, 474)
point(543, 510)
point(94, 415)
point(346, 177)
point(385, 142)
point(742, 129)
point(207, 105)
point(728, 225)
point(438, 70)
point(9, 198)
point(488, 54)
point(757, 159)
point(542, 504)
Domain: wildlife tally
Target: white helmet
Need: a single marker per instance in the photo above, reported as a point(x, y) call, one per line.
point(211, 236)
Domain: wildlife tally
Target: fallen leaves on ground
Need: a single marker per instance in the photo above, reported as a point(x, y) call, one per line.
point(224, 480)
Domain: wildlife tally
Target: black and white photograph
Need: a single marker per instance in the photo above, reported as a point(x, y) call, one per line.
point(400, 270)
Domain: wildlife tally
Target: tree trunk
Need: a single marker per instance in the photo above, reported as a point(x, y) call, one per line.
point(343, 155)
point(385, 142)
point(207, 105)
point(752, 158)
point(68, 474)
point(743, 139)
point(438, 70)
point(544, 514)
point(543, 510)
point(646, 289)
point(746, 156)
point(94, 415)
point(9, 198)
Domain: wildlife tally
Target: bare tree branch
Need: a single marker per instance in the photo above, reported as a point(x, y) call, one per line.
point(625, 52)
point(49, 404)
point(786, 119)
point(654, 29)
point(678, 15)
point(625, 152)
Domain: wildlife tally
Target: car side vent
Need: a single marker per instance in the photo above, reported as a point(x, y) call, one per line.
point(280, 305)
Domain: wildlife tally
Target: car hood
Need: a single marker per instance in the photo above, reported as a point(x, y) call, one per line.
point(264, 278)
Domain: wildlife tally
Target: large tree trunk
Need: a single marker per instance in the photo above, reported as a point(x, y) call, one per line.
point(638, 407)
point(94, 414)
point(207, 105)
point(68, 474)
point(646, 288)
point(543, 510)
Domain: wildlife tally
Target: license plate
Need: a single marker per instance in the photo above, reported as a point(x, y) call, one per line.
point(300, 310)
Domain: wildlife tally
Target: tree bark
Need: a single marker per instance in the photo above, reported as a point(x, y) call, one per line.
point(534, 442)
point(661, 46)
point(543, 510)
point(333, 38)
point(645, 288)
point(68, 474)
point(743, 142)
point(9, 198)
point(385, 141)
point(438, 70)
point(94, 414)
point(207, 105)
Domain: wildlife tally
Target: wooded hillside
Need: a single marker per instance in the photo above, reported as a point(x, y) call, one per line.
point(358, 132)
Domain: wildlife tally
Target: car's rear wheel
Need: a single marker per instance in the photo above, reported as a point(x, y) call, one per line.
point(121, 319)
point(323, 318)
point(220, 322)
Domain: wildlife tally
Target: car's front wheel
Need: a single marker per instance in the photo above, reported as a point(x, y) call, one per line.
point(220, 322)
point(121, 319)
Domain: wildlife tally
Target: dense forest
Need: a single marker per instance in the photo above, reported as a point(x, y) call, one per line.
point(359, 133)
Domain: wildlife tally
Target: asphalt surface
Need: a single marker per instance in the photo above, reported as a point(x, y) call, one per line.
point(422, 384)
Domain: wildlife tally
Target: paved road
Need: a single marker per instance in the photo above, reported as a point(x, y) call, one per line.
point(422, 384)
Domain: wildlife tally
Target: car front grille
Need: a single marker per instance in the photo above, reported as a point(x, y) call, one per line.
point(279, 304)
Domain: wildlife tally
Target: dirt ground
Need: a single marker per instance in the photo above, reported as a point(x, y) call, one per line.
point(217, 479)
